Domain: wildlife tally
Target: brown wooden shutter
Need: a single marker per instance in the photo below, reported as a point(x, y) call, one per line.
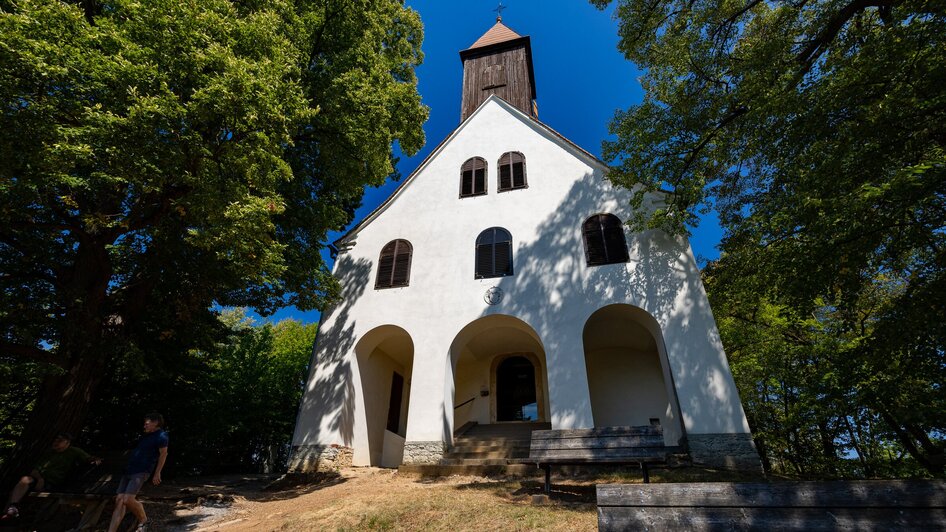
point(484, 261)
point(615, 246)
point(505, 173)
point(402, 264)
point(512, 171)
point(502, 259)
point(479, 181)
point(604, 240)
point(473, 177)
point(519, 174)
point(466, 186)
point(394, 265)
point(493, 253)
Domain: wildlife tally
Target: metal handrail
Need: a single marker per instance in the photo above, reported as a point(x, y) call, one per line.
point(470, 400)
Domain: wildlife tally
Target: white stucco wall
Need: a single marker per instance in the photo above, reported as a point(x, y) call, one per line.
point(552, 290)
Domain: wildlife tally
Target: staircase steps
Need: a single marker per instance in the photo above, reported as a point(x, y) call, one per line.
point(485, 450)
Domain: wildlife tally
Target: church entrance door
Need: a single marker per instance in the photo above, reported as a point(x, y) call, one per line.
point(515, 390)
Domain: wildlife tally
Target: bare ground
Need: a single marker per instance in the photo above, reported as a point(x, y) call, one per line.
point(380, 499)
point(368, 498)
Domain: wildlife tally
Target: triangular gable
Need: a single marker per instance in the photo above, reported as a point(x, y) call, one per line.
point(568, 145)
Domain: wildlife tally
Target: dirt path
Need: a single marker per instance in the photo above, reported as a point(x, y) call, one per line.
point(379, 499)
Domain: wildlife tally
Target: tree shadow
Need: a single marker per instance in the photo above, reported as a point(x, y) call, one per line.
point(555, 291)
point(328, 403)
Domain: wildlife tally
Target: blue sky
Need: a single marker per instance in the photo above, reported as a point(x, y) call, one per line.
point(581, 79)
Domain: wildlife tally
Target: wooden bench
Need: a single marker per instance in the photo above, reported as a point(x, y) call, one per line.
point(829, 505)
point(641, 446)
point(91, 489)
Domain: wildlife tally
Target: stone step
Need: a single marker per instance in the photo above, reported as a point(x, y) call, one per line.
point(522, 430)
point(504, 444)
point(437, 470)
point(489, 445)
point(499, 453)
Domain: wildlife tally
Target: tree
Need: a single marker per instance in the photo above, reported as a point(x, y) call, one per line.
point(817, 129)
point(159, 159)
point(231, 407)
point(818, 393)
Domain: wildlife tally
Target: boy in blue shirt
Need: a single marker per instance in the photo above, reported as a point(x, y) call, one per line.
point(149, 455)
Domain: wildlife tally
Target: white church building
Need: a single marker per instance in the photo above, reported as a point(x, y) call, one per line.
point(499, 285)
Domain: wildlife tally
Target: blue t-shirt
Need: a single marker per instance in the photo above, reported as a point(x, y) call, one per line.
point(145, 456)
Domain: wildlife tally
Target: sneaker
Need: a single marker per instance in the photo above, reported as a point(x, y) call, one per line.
point(142, 527)
point(11, 514)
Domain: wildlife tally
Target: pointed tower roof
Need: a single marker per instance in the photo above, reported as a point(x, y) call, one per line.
point(497, 34)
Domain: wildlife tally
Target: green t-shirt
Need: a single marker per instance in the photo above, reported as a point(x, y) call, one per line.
point(55, 466)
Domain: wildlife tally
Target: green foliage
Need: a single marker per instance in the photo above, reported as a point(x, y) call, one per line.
point(818, 130)
point(821, 400)
point(231, 408)
point(159, 159)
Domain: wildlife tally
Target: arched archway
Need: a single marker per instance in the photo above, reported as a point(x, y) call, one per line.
point(628, 373)
point(385, 357)
point(484, 389)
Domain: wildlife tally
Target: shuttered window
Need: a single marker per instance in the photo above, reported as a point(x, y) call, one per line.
point(473, 177)
point(394, 265)
point(493, 253)
point(604, 240)
point(512, 171)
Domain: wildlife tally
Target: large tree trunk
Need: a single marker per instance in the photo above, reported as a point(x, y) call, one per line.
point(62, 405)
point(84, 346)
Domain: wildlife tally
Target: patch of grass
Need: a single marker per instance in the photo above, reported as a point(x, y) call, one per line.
point(482, 506)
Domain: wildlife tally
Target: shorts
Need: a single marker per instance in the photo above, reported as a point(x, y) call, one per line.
point(47, 485)
point(131, 484)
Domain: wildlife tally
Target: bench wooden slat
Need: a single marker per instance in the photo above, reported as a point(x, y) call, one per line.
point(794, 519)
point(605, 445)
point(838, 494)
point(598, 442)
point(591, 455)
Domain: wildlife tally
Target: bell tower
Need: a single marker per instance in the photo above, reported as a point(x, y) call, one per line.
point(500, 63)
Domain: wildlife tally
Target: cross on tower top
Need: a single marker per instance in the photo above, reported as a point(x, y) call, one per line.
point(499, 12)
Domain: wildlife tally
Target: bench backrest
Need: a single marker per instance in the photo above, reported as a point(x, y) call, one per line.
point(607, 443)
point(830, 505)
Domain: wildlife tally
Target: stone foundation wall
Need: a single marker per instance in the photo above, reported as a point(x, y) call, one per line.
point(312, 458)
point(424, 452)
point(727, 451)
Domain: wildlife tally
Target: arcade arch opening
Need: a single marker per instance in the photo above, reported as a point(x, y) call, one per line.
point(628, 374)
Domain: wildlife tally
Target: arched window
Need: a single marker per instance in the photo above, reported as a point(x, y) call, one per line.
point(394, 265)
point(493, 253)
point(473, 177)
point(604, 240)
point(512, 171)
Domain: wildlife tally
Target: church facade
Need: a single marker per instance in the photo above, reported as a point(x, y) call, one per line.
point(499, 285)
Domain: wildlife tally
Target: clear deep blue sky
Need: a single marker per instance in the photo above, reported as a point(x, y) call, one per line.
point(580, 77)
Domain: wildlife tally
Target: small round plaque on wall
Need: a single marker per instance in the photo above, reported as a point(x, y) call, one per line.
point(493, 295)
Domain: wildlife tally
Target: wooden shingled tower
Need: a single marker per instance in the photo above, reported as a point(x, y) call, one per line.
point(500, 63)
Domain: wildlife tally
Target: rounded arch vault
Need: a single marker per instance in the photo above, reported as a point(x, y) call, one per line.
point(480, 377)
point(629, 378)
point(385, 358)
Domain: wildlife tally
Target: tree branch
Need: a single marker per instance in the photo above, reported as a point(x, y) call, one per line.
point(817, 46)
point(734, 114)
point(33, 353)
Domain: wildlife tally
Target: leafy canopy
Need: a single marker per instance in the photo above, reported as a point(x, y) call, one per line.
point(817, 128)
point(161, 159)
point(158, 157)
